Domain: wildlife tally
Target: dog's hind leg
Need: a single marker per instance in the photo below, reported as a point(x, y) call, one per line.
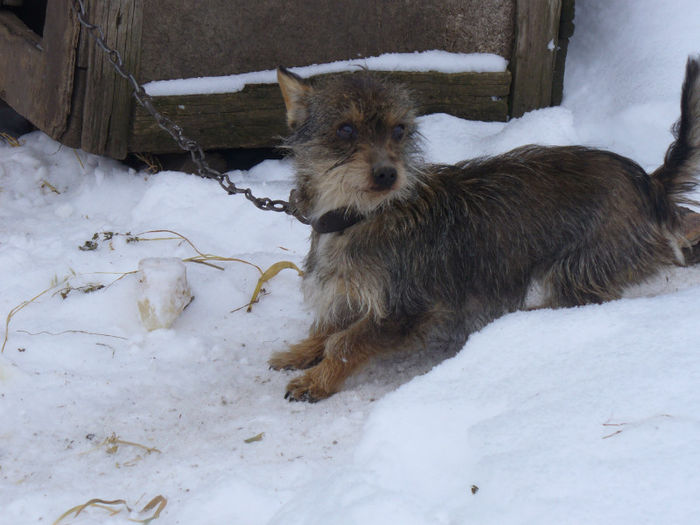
point(599, 271)
point(579, 279)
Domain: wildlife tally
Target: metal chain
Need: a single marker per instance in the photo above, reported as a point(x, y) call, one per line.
point(175, 131)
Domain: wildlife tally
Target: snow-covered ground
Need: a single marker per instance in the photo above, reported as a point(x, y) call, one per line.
point(584, 415)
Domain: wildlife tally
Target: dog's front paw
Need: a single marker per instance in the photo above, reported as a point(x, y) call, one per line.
point(283, 361)
point(292, 360)
point(304, 388)
point(304, 354)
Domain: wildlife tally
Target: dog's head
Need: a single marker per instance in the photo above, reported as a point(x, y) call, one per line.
point(354, 141)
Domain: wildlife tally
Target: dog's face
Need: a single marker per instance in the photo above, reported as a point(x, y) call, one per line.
point(354, 141)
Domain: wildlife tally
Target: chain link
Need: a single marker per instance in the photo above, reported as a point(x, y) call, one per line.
point(175, 131)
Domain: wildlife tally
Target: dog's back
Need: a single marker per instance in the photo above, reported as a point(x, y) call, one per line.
point(584, 223)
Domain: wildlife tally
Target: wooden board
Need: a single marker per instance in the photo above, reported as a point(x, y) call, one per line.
point(566, 31)
point(108, 96)
point(532, 64)
point(255, 116)
point(68, 88)
point(186, 39)
point(36, 74)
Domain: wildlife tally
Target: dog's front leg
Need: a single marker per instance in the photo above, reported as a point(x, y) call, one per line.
point(301, 355)
point(344, 352)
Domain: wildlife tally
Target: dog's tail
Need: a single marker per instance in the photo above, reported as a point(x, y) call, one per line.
point(681, 167)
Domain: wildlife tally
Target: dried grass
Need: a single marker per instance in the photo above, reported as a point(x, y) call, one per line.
point(207, 259)
point(9, 139)
point(77, 156)
point(201, 258)
point(64, 291)
point(257, 437)
point(46, 184)
point(269, 274)
point(112, 445)
point(18, 308)
point(63, 332)
point(114, 507)
point(153, 164)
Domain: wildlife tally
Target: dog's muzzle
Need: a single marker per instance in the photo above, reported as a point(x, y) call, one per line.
point(384, 177)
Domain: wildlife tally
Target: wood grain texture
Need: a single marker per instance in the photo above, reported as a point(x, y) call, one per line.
point(225, 37)
point(532, 65)
point(36, 74)
point(108, 96)
point(255, 116)
point(566, 31)
point(68, 88)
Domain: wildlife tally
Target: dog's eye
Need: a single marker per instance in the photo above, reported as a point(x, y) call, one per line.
point(346, 132)
point(398, 132)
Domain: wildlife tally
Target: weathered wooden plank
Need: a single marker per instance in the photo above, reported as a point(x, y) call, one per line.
point(566, 31)
point(249, 118)
point(72, 137)
point(59, 42)
point(108, 99)
point(532, 64)
point(473, 84)
point(185, 39)
point(21, 59)
point(72, 134)
point(255, 117)
point(36, 74)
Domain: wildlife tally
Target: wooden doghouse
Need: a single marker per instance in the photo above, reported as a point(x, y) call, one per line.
point(52, 73)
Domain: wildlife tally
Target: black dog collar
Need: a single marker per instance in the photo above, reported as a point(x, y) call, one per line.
point(336, 220)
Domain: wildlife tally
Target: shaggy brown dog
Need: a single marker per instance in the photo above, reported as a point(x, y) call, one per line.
point(401, 249)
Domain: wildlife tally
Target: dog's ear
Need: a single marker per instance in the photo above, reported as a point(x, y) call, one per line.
point(294, 91)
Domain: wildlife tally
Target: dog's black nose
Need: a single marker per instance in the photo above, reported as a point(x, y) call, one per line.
point(384, 177)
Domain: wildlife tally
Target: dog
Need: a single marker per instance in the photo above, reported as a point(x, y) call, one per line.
point(402, 250)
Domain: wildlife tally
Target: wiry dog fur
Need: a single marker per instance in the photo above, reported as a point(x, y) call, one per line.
point(425, 248)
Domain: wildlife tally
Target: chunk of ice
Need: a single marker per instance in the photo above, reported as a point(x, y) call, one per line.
point(163, 291)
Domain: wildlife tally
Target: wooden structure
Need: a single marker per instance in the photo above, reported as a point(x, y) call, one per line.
point(52, 73)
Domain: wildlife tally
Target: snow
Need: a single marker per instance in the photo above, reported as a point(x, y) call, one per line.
point(582, 415)
point(434, 60)
point(164, 291)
